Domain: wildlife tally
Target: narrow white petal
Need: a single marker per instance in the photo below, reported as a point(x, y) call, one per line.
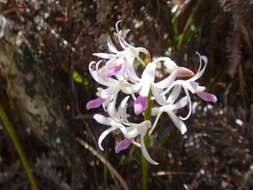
point(157, 93)
point(111, 109)
point(167, 82)
point(174, 94)
point(149, 72)
point(104, 134)
point(147, 78)
point(178, 123)
point(189, 104)
point(92, 72)
point(201, 70)
point(102, 119)
point(131, 73)
point(103, 55)
point(145, 152)
point(155, 123)
point(180, 104)
point(110, 45)
point(123, 108)
point(121, 40)
point(124, 33)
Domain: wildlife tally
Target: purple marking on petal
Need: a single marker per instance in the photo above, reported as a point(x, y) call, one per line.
point(208, 97)
point(94, 103)
point(194, 84)
point(122, 145)
point(140, 105)
point(113, 70)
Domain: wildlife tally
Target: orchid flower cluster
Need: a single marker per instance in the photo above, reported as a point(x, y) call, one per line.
point(117, 73)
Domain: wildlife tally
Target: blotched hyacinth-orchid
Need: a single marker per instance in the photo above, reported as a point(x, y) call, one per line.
point(116, 72)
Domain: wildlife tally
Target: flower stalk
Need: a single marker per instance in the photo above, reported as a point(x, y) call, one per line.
point(144, 163)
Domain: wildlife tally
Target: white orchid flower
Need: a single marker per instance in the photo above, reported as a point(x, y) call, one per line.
point(170, 107)
point(193, 86)
point(113, 86)
point(118, 121)
point(127, 55)
point(147, 82)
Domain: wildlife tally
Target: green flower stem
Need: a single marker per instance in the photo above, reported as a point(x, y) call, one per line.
point(147, 116)
point(11, 132)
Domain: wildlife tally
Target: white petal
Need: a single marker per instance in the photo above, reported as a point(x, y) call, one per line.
point(121, 40)
point(124, 33)
point(179, 124)
point(155, 123)
point(105, 93)
point(131, 73)
point(123, 108)
point(92, 72)
point(157, 93)
point(96, 74)
point(201, 70)
point(154, 111)
point(104, 134)
point(103, 55)
point(180, 104)
point(168, 63)
point(149, 72)
point(189, 104)
point(145, 152)
point(136, 129)
point(131, 134)
point(174, 94)
point(111, 109)
point(143, 127)
point(167, 82)
point(102, 119)
point(137, 86)
point(148, 77)
point(110, 45)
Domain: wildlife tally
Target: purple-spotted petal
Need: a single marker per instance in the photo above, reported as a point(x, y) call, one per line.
point(122, 145)
point(94, 103)
point(140, 105)
point(208, 97)
point(113, 70)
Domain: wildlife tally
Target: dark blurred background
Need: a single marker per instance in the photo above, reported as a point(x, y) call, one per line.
point(45, 49)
